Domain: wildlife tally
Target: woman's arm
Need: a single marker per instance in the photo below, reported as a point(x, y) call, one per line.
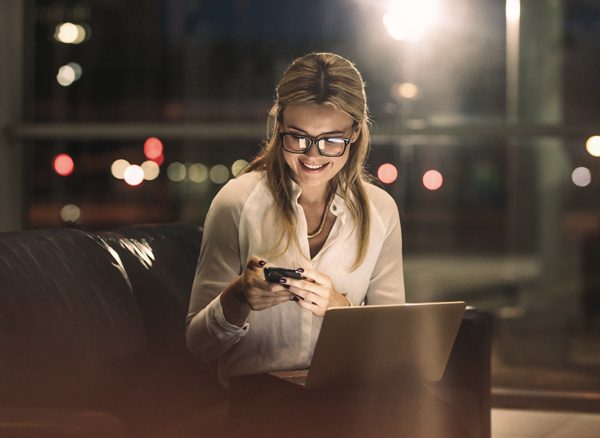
point(387, 280)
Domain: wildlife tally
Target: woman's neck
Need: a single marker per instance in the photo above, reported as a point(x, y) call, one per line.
point(314, 196)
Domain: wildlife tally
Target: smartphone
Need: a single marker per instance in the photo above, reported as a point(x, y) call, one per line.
point(274, 274)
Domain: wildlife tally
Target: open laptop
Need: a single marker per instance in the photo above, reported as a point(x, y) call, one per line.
point(381, 344)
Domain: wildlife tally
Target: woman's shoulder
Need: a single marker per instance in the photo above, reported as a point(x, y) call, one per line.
point(237, 190)
point(379, 197)
point(383, 206)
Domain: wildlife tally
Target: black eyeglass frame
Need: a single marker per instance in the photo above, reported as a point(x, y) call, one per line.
point(312, 141)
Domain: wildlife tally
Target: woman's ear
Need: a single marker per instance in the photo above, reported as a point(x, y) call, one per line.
point(355, 133)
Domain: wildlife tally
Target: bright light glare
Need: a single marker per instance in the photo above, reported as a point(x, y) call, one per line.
point(387, 173)
point(238, 166)
point(410, 20)
point(198, 173)
point(176, 172)
point(433, 180)
point(63, 165)
point(151, 170)
point(581, 177)
point(134, 175)
point(219, 174)
point(513, 10)
point(69, 33)
point(118, 167)
point(592, 145)
point(70, 213)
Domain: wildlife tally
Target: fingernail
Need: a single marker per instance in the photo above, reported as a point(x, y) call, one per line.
point(282, 280)
point(287, 286)
point(300, 269)
point(262, 263)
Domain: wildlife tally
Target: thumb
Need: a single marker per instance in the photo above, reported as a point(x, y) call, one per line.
point(255, 263)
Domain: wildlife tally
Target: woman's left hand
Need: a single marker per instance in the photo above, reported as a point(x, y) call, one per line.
point(316, 292)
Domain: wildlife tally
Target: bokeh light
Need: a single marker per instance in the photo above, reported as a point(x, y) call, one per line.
point(63, 165)
point(70, 213)
point(198, 173)
point(176, 171)
point(387, 173)
point(238, 166)
point(592, 145)
point(118, 167)
point(153, 148)
point(407, 90)
point(70, 33)
point(409, 20)
point(219, 174)
point(581, 177)
point(134, 175)
point(151, 170)
point(433, 180)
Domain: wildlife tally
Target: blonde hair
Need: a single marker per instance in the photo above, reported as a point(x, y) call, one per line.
point(323, 79)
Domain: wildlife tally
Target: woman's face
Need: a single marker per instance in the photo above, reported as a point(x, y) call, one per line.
point(312, 170)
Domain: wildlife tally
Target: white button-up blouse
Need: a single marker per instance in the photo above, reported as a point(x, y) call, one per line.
point(241, 223)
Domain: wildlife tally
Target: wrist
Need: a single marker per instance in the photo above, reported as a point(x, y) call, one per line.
point(348, 302)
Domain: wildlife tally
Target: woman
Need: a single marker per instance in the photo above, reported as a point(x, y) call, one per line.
point(304, 202)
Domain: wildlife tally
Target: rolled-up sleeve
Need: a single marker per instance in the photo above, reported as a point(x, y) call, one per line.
point(209, 335)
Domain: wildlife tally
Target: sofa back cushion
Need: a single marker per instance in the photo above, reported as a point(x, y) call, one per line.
point(69, 320)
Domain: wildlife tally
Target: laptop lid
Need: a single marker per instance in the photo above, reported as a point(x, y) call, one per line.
point(384, 344)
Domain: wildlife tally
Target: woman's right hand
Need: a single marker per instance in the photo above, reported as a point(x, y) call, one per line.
point(250, 291)
point(258, 292)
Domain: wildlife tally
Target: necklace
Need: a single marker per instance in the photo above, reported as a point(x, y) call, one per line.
point(323, 220)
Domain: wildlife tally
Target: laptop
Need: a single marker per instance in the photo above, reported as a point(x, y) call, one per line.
point(381, 344)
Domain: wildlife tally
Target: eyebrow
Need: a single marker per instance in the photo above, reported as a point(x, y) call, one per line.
point(320, 135)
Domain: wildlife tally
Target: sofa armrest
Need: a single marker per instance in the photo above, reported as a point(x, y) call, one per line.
point(466, 383)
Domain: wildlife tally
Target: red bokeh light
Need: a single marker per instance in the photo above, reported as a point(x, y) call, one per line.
point(433, 180)
point(63, 165)
point(158, 160)
point(387, 173)
point(153, 148)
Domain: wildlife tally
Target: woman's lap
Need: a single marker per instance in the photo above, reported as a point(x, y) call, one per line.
point(261, 406)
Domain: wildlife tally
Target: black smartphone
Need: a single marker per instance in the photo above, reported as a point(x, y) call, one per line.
point(274, 274)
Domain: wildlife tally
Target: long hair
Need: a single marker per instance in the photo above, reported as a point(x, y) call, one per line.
point(323, 79)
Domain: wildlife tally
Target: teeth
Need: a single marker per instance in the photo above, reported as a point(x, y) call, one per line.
point(314, 167)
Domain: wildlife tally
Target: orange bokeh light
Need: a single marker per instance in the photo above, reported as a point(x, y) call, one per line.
point(387, 173)
point(153, 148)
point(63, 164)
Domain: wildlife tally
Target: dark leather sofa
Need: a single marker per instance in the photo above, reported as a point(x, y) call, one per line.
point(92, 339)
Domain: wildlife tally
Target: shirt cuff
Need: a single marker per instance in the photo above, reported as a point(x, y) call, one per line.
point(224, 330)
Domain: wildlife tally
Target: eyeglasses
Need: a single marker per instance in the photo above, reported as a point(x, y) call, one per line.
point(300, 144)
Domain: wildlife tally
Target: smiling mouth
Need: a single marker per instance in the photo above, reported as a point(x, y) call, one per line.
point(313, 166)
